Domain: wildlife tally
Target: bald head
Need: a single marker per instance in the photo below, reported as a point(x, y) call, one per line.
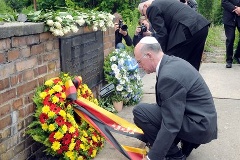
point(148, 53)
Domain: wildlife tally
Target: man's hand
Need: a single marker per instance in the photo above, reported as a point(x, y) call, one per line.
point(237, 10)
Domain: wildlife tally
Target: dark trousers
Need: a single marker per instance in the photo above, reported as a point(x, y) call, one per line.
point(192, 48)
point(230, 37)
point(148, 117)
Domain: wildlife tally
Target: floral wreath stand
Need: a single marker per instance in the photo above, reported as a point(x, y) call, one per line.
point(105, 121)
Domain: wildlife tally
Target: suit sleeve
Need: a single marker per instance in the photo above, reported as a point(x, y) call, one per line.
point(173, 96)
point(158, 24)
point(228, 5)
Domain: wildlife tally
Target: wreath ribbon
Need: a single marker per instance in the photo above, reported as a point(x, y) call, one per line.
point(105, 121)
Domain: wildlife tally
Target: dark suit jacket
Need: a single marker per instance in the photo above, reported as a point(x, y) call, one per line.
point(169, 18)
point(187, 106)
point(229, 17)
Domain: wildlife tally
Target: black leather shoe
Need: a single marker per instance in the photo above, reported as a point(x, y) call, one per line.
point(229, 65)
point(183, 157)
point(237, 60)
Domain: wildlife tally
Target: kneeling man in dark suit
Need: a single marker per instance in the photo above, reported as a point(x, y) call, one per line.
point(184, 111)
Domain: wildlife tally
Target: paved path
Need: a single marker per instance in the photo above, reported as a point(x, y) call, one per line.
point(225, 87)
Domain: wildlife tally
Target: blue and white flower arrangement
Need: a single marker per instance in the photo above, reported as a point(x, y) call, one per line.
point(121, 69)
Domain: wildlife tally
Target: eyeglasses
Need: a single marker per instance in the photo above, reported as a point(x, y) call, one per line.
point(139, 61)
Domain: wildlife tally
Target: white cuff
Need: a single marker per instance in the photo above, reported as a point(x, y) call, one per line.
point(147, 158)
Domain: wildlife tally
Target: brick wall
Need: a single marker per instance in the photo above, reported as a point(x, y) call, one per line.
point(28, 57)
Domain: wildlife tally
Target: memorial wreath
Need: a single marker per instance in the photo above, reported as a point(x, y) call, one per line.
point(55, 125)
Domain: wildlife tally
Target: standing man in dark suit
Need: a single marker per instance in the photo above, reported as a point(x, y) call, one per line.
point(185, 111)
point(180, 30)
point(231, 21)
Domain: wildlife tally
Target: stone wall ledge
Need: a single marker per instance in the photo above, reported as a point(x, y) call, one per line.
point(11, 29)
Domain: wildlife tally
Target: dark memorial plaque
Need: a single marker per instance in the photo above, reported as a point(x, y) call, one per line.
point(83, 55)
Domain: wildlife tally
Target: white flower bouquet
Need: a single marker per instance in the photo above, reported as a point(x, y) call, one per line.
point(121, 69)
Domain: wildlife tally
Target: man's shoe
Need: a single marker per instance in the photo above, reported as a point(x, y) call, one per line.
point(183, 157)
point(237, 60)
point(229, 65)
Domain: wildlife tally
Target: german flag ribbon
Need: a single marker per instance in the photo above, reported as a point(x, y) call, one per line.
point(105, 121)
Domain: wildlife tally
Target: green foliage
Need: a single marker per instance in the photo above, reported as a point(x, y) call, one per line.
point(214, 38)
point(205, 8)
point(107, 104)
point(18, 5)
point(4, 8)
point(217, 12)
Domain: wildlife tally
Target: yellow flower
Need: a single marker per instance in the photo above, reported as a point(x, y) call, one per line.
point(82, 146)
point(45, 126)
point(94, 152)
point(56, 145)
point(80, 158)
point(72, 129)
point(51, 91)
point(51, 114)
point(45, 109)
point(94, 139)
point(60, 83)
point(71, 146)
point(58, 135)
point(55, 99)
point(57, 88)
point(70, 154)
point(49, 82)
point(63, 95)
point(62, 113)
point(51, 127)
point(43, 95)
point(64, 128)
point(83, 139)
point(85, 134)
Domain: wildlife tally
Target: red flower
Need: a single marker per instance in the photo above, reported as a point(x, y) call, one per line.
point(43, 117)
point(67, 139)
point(58, 95)
point(64, 148)
point(55, 81)
point(59, 151)
point(46, 100)
point(90, 151)
point(76, 133)
point(59, 120)
point(68, 124)
point(77, 146)
point(55, 108)
point(51, 137)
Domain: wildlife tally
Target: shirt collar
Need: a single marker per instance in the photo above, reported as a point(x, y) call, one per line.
point(158, 65)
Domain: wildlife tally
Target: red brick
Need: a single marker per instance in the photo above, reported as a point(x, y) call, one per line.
point(21, 113)
point(51, 56)
point(6, 70)
point(56, 44)
point(42, 70)
point(2, 58)
point(13, 55)
point(17, 104)
point(46, 36)
point(49, 46)
point(26, 64)
point(7, 155)
point(28, 75)
point(29, 98)
point(7, 95)
point(4, 84)
point(41, 81)
point(5, 121)
point(33, 39)
point(5, 44)
point(51, 66)
point(27, 87)
point(4, 110)
point(18, 41)
point(29, 110)
point(19, 148)
point(37, 49)
point(25, 52)
point(16, 79)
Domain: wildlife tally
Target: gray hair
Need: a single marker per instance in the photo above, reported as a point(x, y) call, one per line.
point(155, 48)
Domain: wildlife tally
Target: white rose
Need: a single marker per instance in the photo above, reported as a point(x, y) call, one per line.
point(50, 22)
point(57, 25)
